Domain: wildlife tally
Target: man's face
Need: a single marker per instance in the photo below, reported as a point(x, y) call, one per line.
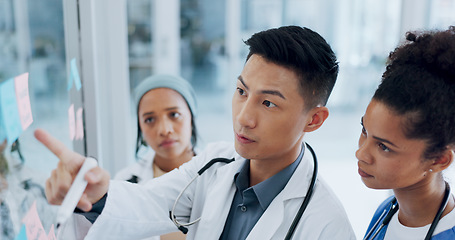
point(268, 112)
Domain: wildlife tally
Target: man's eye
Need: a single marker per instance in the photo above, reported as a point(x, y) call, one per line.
point(383, 147)
point(268, 104)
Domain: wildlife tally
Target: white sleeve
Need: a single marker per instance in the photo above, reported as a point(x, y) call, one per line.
point(134, 211)
point(75, 228)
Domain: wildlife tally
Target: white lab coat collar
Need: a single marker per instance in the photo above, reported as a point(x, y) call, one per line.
point(215, 212)
point(297, 187)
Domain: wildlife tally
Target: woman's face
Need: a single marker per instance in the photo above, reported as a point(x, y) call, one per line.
point(387, 159)
point(165, 122)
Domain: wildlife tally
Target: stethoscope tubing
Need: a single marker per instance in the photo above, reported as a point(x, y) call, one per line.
point(394, 209)
point(308, 196)
point(174, 219)
point(183, 226)
point(374, 227)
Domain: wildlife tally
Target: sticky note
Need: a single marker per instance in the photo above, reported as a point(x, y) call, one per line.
point(2, 125)
point(33, 227)
point(23, 100)
point(22, 234)
point(11, 123)
point(75, 74)
point(79, 125)
point(71, 122)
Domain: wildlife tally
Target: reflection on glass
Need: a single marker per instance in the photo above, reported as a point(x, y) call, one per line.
point(139, 40)
point(32, 40)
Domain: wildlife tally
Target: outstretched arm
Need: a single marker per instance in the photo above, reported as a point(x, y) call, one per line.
point(62, 177)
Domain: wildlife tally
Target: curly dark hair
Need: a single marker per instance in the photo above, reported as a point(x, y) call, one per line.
point(304, 52)
point(419, 83)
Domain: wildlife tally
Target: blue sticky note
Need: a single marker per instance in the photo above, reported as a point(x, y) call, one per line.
point(2, 126)
point(75, 74)
point(22, 234)
point(10, 114)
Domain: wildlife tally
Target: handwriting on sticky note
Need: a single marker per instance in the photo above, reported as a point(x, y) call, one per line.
point(33, 227)
point(23, 100)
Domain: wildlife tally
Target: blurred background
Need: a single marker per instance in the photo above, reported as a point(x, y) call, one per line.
point(118, 43)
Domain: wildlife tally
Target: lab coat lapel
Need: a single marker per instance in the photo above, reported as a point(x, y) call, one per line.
point(218, 201)
point(296, 188)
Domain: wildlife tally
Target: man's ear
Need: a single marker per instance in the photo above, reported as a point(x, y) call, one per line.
point(317, 117)
point(444, 161)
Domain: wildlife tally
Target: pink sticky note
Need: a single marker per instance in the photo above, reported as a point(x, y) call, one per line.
point(79, 125)
point(33, 226)
point(72, 123)
point(23, 100)
point(51, 235)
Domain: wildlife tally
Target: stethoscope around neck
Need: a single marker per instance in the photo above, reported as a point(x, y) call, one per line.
point(183, 226)
point(394, 209)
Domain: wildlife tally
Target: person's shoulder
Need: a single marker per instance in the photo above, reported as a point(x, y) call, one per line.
point(142, 169)
point(327, 204)
point(127, 172)
point(445, 235)
point(324, 191)
point(332, 220)
point(385, 204)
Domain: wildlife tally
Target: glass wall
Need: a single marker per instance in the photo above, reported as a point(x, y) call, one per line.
point(32, 40)
point(202, 57)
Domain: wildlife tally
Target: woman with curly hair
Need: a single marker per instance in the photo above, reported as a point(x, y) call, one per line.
point(408, 139)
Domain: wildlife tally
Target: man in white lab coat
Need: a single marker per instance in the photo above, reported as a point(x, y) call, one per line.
point(281, 94)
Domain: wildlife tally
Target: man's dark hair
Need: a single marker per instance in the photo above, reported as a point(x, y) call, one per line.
point(419, 83)
point(304, 52)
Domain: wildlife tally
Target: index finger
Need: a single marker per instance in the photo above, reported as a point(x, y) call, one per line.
point(57, 147)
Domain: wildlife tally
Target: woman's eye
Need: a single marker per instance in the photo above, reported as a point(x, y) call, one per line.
point(241, 91)
point(383, 147)
point(268, 104)
point(175, 115)
point(149, 120)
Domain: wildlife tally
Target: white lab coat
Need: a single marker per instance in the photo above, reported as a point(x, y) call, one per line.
point(135, 211)
point(142, 168)
point(77, 226)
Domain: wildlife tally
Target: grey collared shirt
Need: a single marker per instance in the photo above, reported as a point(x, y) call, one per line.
point(251, 202)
